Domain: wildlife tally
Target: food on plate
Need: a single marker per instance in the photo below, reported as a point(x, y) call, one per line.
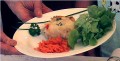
point(92, 26)
point(59, 26)
point(63, 32)
point(54, 45)
point(34, 29)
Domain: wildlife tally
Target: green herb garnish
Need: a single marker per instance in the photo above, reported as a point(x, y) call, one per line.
point(34, 29)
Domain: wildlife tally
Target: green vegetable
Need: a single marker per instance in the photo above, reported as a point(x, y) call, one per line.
point(105, 21)
point(92, 26)
point(110, 14)
point(72, 38)
point(84, 40)
point(34, 29)
point(99, 34)
point(81, 20)
point(95, 11)
point(93, 41)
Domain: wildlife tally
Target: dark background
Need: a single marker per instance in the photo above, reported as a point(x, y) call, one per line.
point(9, 19)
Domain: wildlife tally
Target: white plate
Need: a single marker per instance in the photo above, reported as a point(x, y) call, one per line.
point(27, 43)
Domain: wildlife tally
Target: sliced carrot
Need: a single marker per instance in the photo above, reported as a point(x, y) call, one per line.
point(53, 45)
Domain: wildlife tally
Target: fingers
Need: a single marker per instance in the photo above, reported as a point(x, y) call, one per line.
point(40, 8)
point(22, 12)
point(8, 50)
point(37, 9)
point(7, 40)
point(27, 10)
point(6, 45)
point(11, 42)
point(45, 9)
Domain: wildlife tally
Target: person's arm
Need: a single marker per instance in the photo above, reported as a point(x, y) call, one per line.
point(26, 10)
point(83, 3)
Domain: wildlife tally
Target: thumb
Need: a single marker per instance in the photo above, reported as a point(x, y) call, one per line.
point(37, 8)
point(20, 10)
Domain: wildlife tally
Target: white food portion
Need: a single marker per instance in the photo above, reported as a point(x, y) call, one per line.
point(61, 27)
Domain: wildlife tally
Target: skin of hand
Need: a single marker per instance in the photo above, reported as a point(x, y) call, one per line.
point(26, 10)
point(7, 45)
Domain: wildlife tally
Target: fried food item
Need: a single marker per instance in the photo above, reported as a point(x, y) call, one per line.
point(59, 26)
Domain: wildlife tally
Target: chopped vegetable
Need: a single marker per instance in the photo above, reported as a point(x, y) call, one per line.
point(53, 45)
point(34, 29)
